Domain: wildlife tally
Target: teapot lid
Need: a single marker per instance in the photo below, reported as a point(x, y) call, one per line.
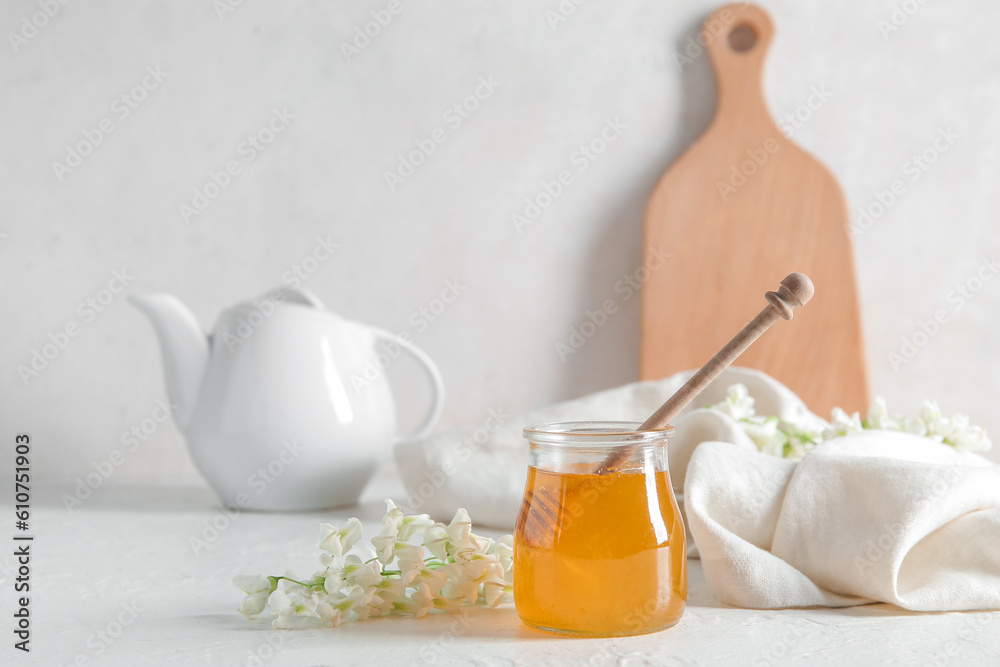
point(303, 301)
point(300, 296)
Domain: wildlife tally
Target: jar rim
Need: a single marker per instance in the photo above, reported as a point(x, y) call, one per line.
point(595, 433)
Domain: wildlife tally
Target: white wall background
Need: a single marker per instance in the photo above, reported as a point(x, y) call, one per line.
point(890, 95)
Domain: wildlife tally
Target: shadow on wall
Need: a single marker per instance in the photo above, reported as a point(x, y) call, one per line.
point(611, 358)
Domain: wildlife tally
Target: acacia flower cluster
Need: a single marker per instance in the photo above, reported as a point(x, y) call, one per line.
point(450, 567)
point(792, 439)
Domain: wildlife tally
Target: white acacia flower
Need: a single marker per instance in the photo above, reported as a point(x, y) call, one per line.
point(390, 587)
point(915, 426)
point(490, 578)
point(496, 592)
point(766, 435)
point(409, 569)
point(472, 563)
point(387, 551)
point(806, 424)
point(254, 604)
point(843, 424)
point(423, 601)
point(383, 545)
point(387, 593)
point(390, 537)
point(495, 582)
point(738, 403)
point(459, 530)
point(426, 598)
point(930, 414)
point(504, 550)
point(973, 439)
point(300, 608)
point(284, 608)
point(404, 605)
point(393, 518)
point(258, 588)
point(415, 525)
point(436, 540)
point(503, 546)
point(408, 552)
point(797, 448)
point(333, 577)
point(931, 423)
point(879, 417)
point(378, 608)
point(480, 543)
point(466, 590)
point(352, 599)
point(336, 541)
point(358, 573)
point(433, 579)
point(361, 612)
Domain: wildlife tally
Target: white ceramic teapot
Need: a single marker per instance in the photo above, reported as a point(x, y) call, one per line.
point(285, 406)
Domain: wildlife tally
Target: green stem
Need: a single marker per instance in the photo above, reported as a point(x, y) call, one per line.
point(300, 583)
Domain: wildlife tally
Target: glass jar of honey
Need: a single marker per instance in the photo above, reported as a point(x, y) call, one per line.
point(599, 547)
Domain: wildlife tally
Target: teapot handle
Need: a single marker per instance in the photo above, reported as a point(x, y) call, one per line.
point(437, 384)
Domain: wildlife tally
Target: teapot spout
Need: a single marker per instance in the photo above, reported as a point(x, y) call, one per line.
point(183, 347)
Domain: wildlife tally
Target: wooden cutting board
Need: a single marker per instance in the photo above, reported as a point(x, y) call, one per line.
point(736, 213)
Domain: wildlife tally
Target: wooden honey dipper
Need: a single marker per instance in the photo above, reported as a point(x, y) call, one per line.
point(540, 512)
point(795, 290)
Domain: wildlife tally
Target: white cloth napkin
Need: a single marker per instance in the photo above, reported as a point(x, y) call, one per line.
point(878, 516)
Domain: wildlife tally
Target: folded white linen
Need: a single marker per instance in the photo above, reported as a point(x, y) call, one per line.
point(877, 516)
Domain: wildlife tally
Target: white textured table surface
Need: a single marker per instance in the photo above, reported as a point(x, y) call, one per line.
point(118, 582)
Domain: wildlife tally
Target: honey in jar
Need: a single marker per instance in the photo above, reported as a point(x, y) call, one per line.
point(599, 551)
